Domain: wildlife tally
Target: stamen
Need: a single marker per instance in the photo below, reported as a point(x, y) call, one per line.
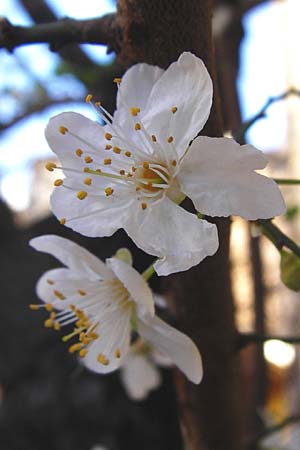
point(108, 147)
point(117, 150)
point(137, 127)
point(81, 292)
point(56, 326)
point(122, 172)
point(170, 139)
point(78, 152)
point(83, 352)
point(108, 191)
point(134, 111)
point(34, 307)
point(63, 130)
point(174, 162)
point(88, 98)
point(102, 359)
point(75, 347)
point(174, 109)
point(48, 323)
point(81, 195)
point(50, 281)
point(88, 159)
point(108, 136)
point(117, 80)
point(128, 154)
point(144, 205)
point(153, 137)
point(58, 182)
point(59, 295)
point(50, 166)
point(62, 221)
point(117, 353)
point(107, 161)
point(88, 181)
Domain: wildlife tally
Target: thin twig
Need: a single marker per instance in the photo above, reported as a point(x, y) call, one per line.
point(245, 339)
point(102, 30)
point(278, 238)
point(273, 429)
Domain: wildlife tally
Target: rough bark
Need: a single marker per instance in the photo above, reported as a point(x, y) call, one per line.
point(157, 32)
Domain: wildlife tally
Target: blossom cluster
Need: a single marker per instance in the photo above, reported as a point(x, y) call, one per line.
point(133, 172)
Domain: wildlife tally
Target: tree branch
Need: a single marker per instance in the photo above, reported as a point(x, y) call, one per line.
point(279, 239)
point(102, 30)
point(274, 429)
point(245, 339)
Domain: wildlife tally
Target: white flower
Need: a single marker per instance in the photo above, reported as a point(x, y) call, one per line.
point(139, 373)
point(133, 172)
point(104, 301)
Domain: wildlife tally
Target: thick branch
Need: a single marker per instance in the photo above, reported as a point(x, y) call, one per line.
point(102, 30)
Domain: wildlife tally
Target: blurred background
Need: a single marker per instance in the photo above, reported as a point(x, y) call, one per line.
point(47, 400)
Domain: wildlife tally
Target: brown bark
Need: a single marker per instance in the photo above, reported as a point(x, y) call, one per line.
point(157, 32)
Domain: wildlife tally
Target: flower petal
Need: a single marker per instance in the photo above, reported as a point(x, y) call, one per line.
point(135, 88)
point(171, 233)
point(218, 175)
point(82, 133)
point(171, 342)
point(72, 255)
point(186, 85)
point(135, 285)
point(112, 343)
point(64, 283)
point(139, 376)
point(94, 216)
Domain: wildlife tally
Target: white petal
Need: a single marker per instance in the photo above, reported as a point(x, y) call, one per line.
point(135, 285)
point(187, 85)
point(171, 233)
point(139, 376)
point(114, 335)
point(219, 176)
point(65, 145)
point(93, 216)
point(135, 88)
point(72, 255)
point(66, 282)
point(171, 342)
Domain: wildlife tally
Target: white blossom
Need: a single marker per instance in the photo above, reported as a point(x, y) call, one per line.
point(104, 301)
point(134, 171)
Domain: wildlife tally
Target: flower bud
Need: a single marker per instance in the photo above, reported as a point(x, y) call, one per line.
point(290, 270)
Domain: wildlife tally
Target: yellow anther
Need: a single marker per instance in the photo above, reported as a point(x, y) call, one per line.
point(144, 205)
point(117, 353)
point(62, 221)
point(122, 172)
point(34, 307)
point(56, 326)
point(153, 137)
point(81, 336)
point(133, 169)
point(88, 181)
point(50, 166)
point(108, 136)
point(88, 159)
point(98, 104)
point(88, 98)
point(81, 292)
point(107, 161)
point(137, 188)
point(83, 352)
point(86, 169)
point(75, 347)
point(174, 109)
point(52, 315)
point(59, 295)
point(170, 139)
point(63, 130)
point(48, 323)
point(108, 191)
point(108, 147)
point(134, 111)
point(102, 359)
point(174, 162)
point(92, 335)
point(78, 152)
point(58, 182)
point(129, 175)
point(98, 170)
point(117, 150)
point(127, 153)
point(50, 281)
point(137, 126)
point(146, 165)
point(117, 80)
point(48, 307)
point(81, 195)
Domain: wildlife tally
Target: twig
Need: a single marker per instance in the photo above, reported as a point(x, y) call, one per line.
point(239, 135)
point(245, 339)
point(278, 238)
point(102, 30)
point(273, 429)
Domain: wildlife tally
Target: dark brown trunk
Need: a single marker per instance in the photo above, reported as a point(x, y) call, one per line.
point(157, 32)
